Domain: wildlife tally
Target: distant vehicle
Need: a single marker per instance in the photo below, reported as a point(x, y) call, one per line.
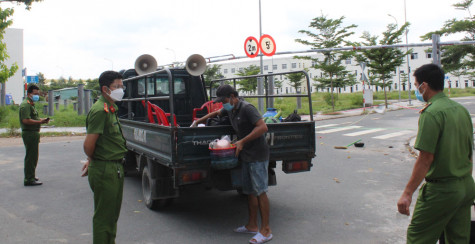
point(155, 114)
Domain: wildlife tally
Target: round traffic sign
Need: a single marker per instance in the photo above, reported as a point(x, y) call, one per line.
point(251, 47)
point(267, 45)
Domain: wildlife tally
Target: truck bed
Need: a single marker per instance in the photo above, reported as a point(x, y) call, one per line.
point(179, 147)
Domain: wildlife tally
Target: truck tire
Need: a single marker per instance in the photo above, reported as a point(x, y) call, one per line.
point(148, 187)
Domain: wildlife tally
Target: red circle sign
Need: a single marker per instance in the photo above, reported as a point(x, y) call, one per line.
point(251, 47)
point(267, 45)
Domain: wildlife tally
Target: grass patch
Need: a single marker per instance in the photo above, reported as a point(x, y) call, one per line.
point(321, 101)
point(459, 92)
point(65, 117)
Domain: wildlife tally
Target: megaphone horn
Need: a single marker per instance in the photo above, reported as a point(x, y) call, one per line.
point(195, 65)
point(145, 63)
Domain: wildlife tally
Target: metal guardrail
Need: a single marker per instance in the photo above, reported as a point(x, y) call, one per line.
point(268, 95)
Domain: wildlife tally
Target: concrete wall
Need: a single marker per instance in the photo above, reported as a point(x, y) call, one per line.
point(14, 41)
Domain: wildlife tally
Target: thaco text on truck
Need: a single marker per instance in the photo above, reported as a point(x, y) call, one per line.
point(159, 106)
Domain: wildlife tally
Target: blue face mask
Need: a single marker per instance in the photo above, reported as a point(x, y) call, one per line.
point(419, 95)
point(35, 98)
point(228, 106)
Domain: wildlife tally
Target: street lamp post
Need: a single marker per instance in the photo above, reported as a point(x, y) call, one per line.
point(397, 69)
point(407, 59)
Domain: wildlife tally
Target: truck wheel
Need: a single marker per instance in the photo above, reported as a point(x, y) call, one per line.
point(149, 186)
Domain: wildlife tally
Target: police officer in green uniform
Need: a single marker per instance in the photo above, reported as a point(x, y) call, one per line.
point(30, 124)
point(445, 143)
point(105, 148)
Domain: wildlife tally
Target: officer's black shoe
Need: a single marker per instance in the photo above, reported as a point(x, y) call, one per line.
point(33, 183)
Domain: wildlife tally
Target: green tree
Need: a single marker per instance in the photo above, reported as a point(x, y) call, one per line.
point(458, 57)
point(94, 86)
point(41, 79)
point(42, 84)
point(5, 21)
point(404, 80)
point(330, 33)
point(382, 62)
point(248, 84)
point(295, 79)
point(26, 2)
point(278, 84)
point(212, 73)
point(71, 82)
point(62, 82)
point(5, 71)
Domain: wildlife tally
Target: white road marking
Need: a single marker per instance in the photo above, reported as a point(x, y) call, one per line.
point(322, 126)
point(339, 129)
point(386, 136)
point(364, 132)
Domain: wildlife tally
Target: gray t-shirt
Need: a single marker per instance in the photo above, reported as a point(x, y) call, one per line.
point(244, 119)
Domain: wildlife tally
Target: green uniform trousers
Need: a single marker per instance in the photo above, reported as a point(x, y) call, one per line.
point(443, 206)
point(31, 140)
point(106, 179)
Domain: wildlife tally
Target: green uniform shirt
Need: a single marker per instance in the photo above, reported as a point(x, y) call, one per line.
point(102, 120)
point(28, 111)
point(446, 130)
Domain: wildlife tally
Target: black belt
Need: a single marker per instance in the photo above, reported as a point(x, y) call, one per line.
point(444, 180)
point(119, 161)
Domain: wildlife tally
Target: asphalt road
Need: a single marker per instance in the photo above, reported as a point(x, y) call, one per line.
point(348, 197)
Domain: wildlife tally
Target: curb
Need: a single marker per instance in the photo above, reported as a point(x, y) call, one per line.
point(317, 118)
point(410, 146)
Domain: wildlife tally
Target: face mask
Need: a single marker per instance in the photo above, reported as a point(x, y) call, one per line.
point(35, 98)
point(228, 106)
point(117, 94)
point(419, 95)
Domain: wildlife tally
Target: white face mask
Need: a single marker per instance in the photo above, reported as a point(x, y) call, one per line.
point(117, 94)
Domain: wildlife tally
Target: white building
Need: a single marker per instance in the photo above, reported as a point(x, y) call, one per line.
point(285, 63)
point(13, 39)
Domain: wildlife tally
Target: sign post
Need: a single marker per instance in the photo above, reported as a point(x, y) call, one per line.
point(363, 79)
point(266, 45)
point(448, 83)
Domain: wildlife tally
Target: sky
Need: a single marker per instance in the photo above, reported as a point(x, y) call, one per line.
point(81, 39)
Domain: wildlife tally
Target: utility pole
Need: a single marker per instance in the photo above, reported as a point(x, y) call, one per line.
point(435, 49)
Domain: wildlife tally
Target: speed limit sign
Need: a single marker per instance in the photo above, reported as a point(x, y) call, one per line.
point(251, 47)
point(267, 45)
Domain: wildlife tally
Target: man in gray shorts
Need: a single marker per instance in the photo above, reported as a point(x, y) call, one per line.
point(253, 153)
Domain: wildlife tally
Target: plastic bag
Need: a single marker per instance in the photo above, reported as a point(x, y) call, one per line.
point(224, 142)
point(293, 117)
